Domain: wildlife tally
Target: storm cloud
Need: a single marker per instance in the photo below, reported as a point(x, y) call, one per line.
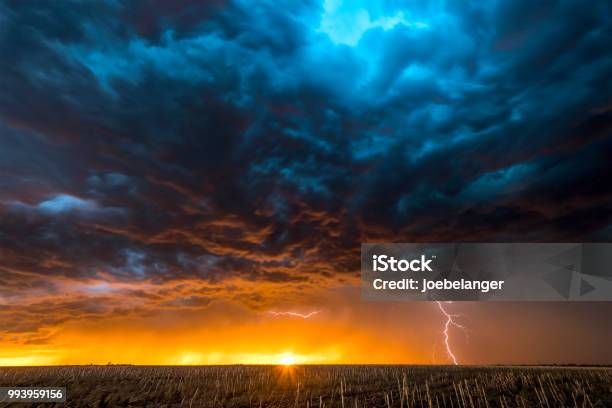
point(148, 142)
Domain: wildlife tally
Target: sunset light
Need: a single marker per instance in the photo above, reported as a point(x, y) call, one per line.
point(287, 359)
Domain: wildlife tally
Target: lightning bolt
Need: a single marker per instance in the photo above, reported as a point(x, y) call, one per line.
point(450, 321)
point(295, 314)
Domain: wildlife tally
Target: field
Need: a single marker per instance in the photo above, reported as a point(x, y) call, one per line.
point(320, 386)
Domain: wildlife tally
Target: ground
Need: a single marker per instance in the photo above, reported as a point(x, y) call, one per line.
point(320, 386)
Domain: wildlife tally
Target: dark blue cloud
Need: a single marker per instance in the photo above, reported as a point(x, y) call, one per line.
point(269, 135)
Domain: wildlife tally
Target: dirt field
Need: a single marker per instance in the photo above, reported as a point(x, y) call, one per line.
point(320, 386)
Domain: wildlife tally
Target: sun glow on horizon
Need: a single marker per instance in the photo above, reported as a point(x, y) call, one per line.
point(233, 335)
point(287, 359)
point(26, 361)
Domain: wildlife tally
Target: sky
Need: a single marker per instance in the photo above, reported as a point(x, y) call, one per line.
point(175, 177)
